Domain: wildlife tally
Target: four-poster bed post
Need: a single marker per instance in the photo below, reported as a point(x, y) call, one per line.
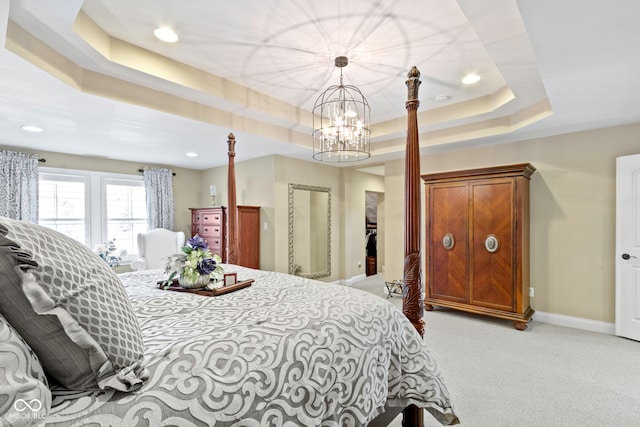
point(412, 304)
point(232, 229)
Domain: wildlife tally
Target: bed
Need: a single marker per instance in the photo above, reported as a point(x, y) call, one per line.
point(80, 345)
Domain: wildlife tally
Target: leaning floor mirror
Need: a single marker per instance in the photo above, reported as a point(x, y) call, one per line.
point(309, 231)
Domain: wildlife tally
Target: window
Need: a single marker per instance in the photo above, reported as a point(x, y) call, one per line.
point(93, 207)
point(63, 204)
point(126, 212)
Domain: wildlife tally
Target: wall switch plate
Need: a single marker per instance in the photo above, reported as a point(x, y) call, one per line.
point(531, 293)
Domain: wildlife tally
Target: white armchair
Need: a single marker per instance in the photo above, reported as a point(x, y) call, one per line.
point(155, 246)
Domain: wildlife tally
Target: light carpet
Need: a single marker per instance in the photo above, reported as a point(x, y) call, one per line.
point(545, 376)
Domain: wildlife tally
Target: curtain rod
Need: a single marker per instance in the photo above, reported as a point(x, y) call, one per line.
point(142, 170)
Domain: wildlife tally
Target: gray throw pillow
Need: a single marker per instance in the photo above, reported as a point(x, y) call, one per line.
point(70, 307)
point(25, 398)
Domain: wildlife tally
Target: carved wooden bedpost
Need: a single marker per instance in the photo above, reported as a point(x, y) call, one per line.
point(412, 304)
point(232, 229)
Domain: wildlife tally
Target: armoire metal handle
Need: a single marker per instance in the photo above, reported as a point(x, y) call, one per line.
point(448, 241)
point(491, 243)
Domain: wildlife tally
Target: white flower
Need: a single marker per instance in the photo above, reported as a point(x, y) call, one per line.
point(110, 253)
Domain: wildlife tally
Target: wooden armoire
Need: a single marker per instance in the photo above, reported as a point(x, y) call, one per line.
point(212, 224)
point(477, 241)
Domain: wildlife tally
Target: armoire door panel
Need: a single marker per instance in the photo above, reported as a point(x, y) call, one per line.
point(448, 242)
point(492, 214)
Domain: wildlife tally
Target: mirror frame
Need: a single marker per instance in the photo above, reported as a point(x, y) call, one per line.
point(292, 265)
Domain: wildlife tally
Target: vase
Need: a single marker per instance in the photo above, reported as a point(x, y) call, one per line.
point(200, 282)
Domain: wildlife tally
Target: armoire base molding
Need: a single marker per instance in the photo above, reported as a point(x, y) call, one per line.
point(520, 319)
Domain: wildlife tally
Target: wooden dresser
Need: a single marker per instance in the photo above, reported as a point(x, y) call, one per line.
point(477, 241)
point(211, 224)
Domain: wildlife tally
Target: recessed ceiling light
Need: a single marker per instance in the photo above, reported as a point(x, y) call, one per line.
point(31, 128)
point(191, 154)
point(442, 98)
point(166, 34)
point(470, 79)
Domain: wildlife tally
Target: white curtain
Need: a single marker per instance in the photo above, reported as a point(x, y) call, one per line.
point(158, 184)
point(19, 186)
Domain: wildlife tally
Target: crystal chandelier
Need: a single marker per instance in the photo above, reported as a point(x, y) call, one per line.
point(341, 123)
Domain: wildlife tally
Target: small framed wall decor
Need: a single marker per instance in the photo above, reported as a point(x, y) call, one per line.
point(230, 279)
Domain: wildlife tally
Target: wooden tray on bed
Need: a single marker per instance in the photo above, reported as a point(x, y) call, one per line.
point(209, 292)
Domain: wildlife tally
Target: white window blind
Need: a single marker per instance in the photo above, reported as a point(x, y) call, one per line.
point(94, 207)
point(63, 203)
point(126, 212)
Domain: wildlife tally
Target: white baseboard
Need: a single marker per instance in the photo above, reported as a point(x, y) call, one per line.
point(351, 281)
point(575, 322)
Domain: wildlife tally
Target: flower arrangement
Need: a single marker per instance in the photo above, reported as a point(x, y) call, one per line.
point(195, 261)
point(110, 253)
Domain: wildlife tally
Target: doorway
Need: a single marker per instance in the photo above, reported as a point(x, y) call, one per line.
point(374, 232)
point(628, 247)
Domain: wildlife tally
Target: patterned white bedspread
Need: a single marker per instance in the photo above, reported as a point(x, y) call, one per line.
point(286, 351)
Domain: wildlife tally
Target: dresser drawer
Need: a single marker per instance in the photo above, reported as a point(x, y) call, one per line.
point(214, 241)
point(208, 218)
point(217, 231)
point(215, 247)
point(211, 219)
point(211, 231)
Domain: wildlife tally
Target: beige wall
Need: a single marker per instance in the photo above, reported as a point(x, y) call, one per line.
point(394, 219)
point(381, 231)
point(572, 213)
point(254, 187)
